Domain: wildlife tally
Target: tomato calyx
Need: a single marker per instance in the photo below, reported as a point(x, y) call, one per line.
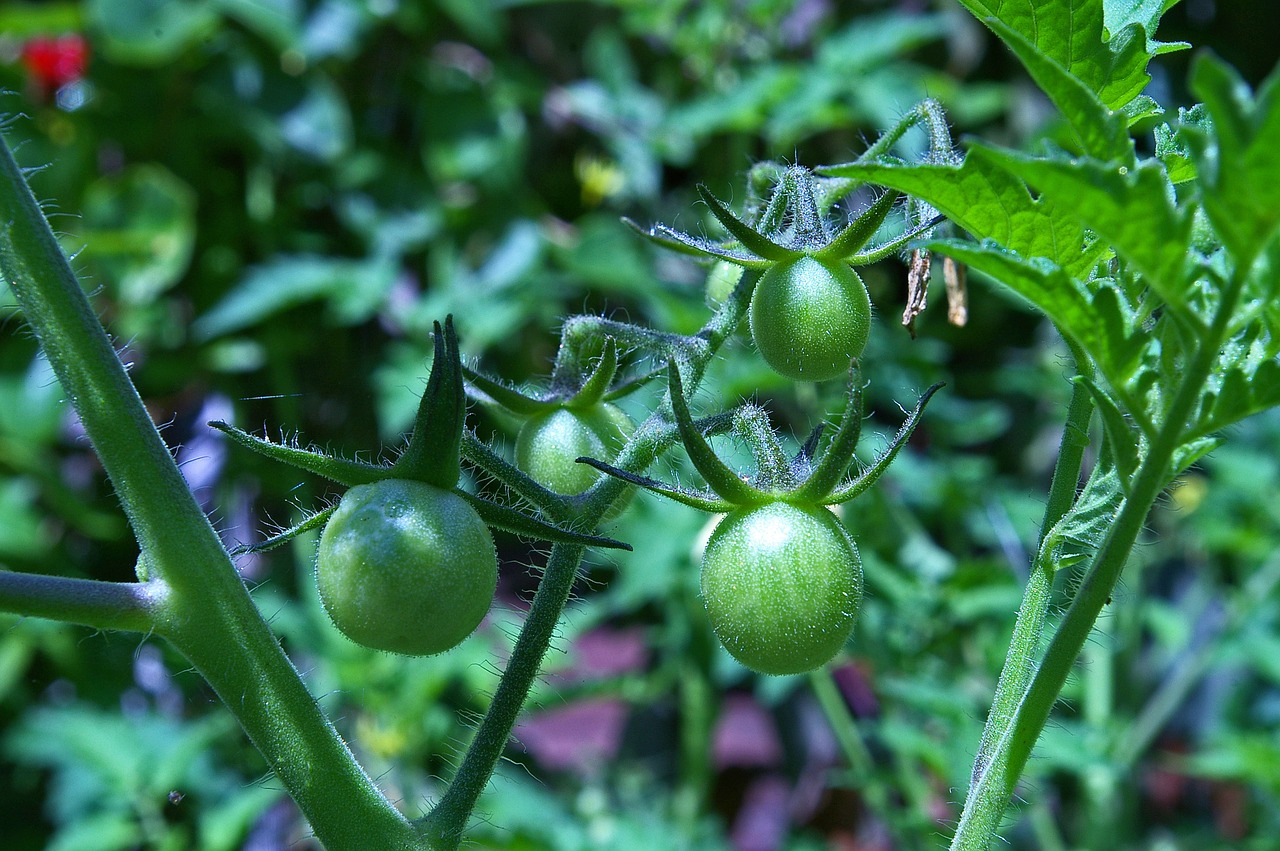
point(781, 576)
point(815, 475)
point(432, 457)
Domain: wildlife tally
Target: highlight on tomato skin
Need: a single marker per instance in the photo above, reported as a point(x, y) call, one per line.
point(406, 567)
point(782, 585)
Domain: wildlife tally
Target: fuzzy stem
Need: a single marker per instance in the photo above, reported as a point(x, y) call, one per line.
point(1024, 645)
point(208, 614)
point(989, 796)
point(445, 824)
point(102, 605)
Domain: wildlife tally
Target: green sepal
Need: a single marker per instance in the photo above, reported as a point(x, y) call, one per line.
point(434, 453)
point(479, 453)
point(893, 246)
point(340, 470)
point(509, 520)
point(752, 240)
point(837, 457)
point(314, 521)
point(1189, 453)
point(719, 477)
point(508, 397)
point(693, 499)
point(860, 230)
point(869, 476)
point(631, 385)
point(675, 240)
point(597, 383)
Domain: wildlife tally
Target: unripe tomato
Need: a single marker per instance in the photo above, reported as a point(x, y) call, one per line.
point(810, 318)
point(782, 585)
point(549, 442)
point(406, 567)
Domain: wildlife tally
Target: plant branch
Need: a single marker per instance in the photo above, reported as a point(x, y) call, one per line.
point(208, 614)
point(989, 796)
point(126, 606)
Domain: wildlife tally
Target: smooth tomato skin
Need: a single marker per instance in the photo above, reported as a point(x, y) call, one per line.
point(810, 318)
point(549, 442)
point(782, 585)
point(406, 567)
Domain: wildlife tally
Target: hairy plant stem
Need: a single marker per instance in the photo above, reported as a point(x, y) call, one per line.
point(1028, 629)
point(125, 606)
point(990, 792)
point(207, 614)
point(445, 824)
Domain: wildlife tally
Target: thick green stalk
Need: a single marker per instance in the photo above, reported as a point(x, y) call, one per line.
point(102, 605)
point(447, 821)
point(1024, 645)
point(208, 614)
point(989, 796)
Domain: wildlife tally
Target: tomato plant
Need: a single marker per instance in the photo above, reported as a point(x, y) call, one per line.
point(406, 567)
point(782, 585)
point(1158, 272)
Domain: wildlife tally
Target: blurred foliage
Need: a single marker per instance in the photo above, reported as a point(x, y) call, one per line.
point(271, 200)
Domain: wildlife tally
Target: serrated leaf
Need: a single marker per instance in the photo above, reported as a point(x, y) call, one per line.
point(1098, 325)
point(1239, 165)
point(1189, 453)
point(1172, 148)
point(1073, 33)
point(1101, 133)
point(1082, 529)
point(1131, 208)
point(990, 203)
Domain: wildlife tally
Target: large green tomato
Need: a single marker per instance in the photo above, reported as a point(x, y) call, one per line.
point(810, 318)
point(549, 442)
point(406, 567)
point(782, 585)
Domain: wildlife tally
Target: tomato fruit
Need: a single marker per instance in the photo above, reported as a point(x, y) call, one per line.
point(810, 318)
point(406, 567)
point(549, 442)
point(782, 584)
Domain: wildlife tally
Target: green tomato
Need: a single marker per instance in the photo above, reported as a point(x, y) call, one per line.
point(549, 442)
point(782, 585)
point(406, 567)
point(810, 318)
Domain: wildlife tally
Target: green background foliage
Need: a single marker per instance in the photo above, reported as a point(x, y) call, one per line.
point(272, 200)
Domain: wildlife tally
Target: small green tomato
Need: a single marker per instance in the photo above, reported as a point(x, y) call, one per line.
point(810, 318)
point(406, 567)
point(549, 442)
point(782, 584)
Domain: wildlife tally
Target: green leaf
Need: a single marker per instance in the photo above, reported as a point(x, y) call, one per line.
point(1073, 34)
point(990, 203)
point(1101, 133)
point(1122, 438)
point(1083, 528)
point(1239, 166)
point(1099, 321)
point(354, 289)
point(138, 227)
point(1130, 208)
point(1172, 148)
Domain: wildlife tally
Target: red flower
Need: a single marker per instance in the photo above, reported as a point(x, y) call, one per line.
point(55, 61)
